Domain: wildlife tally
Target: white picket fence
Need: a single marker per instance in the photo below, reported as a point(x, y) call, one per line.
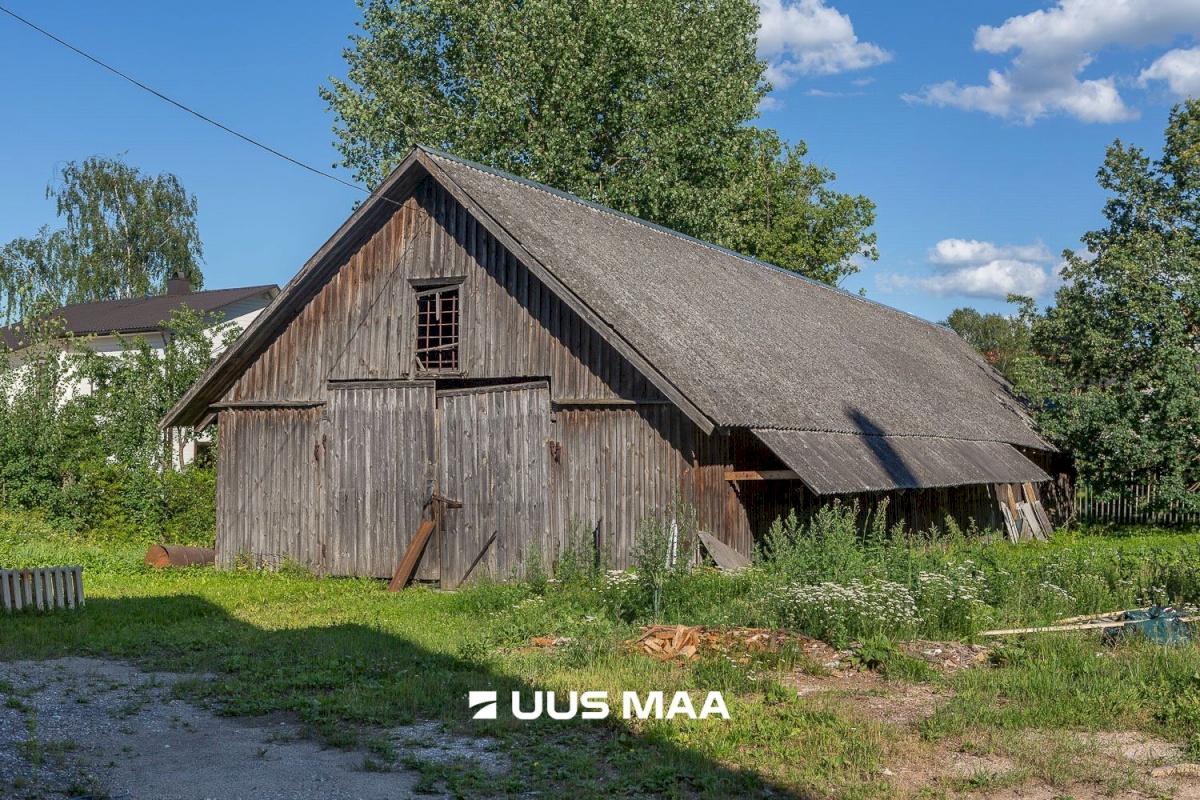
point(41, 588)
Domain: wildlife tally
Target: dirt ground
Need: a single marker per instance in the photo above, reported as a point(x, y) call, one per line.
point(79, 727)
point(1028, 765)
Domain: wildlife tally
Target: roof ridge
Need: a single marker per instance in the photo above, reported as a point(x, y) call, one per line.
point(662, 229)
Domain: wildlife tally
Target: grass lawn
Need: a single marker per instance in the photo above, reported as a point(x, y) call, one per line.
point(351, 659)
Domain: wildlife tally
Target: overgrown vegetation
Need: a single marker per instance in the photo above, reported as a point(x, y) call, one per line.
point(834, 578)
point(79, 437)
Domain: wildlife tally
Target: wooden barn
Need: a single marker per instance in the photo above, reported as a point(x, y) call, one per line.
point(537, 359)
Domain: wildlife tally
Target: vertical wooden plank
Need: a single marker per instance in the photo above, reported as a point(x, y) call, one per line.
point(69, 587)
point(19, 590)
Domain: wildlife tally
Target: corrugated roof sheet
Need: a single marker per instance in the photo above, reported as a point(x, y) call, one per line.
point(137, 314)
point(839, 463)
point(749, 344)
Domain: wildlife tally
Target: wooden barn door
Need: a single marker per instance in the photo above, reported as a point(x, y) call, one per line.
point(380, 469)
point(494, 457)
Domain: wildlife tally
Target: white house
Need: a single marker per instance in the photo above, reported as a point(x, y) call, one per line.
point(103, 325)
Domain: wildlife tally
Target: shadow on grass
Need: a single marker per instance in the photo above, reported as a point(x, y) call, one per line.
point(345, 680)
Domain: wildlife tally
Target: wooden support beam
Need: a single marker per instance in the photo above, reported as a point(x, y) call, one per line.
point(268, 404)
point(412, 555)
point(608, 401)
point(762, 475)
point(478, 558)
point(722, 554)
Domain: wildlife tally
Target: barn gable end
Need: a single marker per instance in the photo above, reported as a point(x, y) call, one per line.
point(360, 324)
point(334, 412)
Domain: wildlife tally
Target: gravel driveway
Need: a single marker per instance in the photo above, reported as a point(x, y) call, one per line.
point(78, 727)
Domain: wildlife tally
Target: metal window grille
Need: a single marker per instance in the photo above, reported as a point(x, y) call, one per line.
point(437, 330)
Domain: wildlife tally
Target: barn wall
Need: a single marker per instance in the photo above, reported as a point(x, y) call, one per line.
point(616, 466)
point(270, 493)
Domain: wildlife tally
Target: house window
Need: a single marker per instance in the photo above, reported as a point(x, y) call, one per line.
point(437, 329)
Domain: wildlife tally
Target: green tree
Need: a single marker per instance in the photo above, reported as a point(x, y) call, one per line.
point(1006, 341)
point(640, 106)
point(125, 232)
point(43, 438)
point(30, 276)
point(1122, 342)
point(135, 388)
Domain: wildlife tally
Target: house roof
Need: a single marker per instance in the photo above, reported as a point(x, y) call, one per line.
point(739, 343)
point(138, 314)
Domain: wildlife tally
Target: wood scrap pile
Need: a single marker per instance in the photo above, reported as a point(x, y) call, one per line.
point(947, 656)
point(685, 642)
point(670, 641)
point(1021, 508)
point(550, 641)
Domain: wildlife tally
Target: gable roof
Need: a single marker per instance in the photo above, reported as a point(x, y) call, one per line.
point(737, 342)
point(137, 314)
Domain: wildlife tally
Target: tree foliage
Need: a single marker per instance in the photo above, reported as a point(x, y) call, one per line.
point(1005, 340)
point(79, 436)
point(124, 233)
point(640, 106)
point(1122, 342)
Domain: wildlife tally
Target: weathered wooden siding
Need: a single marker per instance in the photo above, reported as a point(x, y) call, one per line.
point(380, 468)
point(614, 466)
point(361, 323)
point(270, 493)
point(494, 458)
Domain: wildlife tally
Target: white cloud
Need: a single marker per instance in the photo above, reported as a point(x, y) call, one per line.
point(823, 93)
point(995, 280)
point(1179, 68)
point(808, 37)
point(960, 252)
point(976, 268)
point(1053, 48)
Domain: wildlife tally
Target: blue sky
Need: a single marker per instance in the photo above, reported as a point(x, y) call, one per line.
point(976, 128)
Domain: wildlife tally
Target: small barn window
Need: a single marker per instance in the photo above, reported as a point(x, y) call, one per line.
point(438, 329)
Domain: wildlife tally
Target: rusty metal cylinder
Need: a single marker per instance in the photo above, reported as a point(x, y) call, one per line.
point(168, 555)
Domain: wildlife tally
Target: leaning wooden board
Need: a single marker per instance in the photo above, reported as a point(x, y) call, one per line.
point(412, 555)
point(724, 555)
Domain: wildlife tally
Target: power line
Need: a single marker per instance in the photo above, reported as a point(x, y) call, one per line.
point(183, 107)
